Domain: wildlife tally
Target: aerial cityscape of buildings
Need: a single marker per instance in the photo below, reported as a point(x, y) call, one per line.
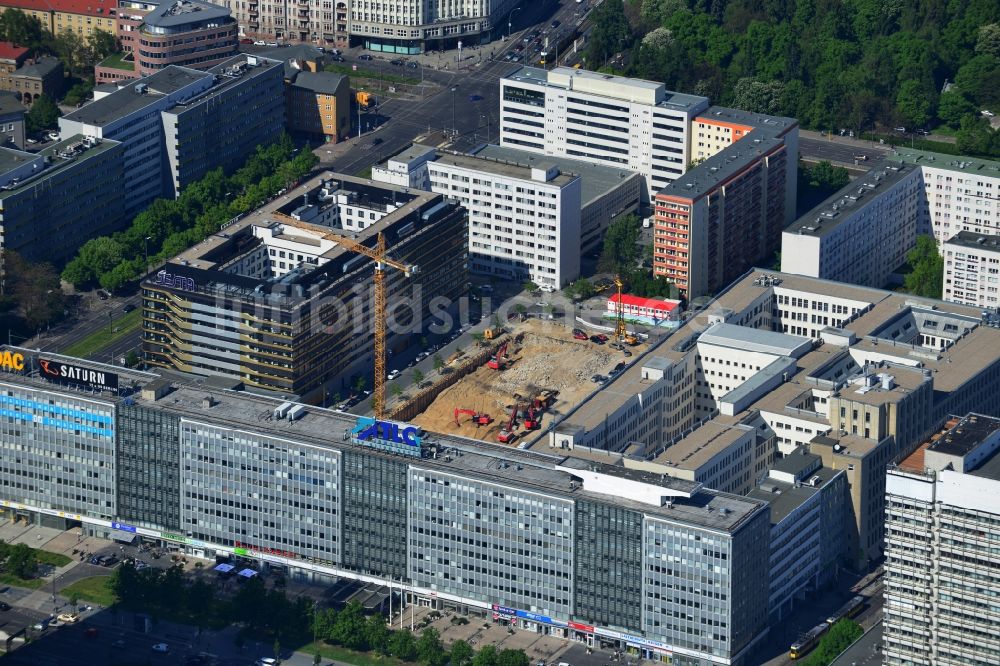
point(691, 474)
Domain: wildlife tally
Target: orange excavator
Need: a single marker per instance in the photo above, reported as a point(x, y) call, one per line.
point(479, 418)
point(507, 433)
point(496, 361)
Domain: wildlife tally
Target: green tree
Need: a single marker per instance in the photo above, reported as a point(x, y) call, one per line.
point(979, 78)
point(487, 656)
point(71, 48)
point(429, 648)
point(43, 114)
point(926, 268)
point(349, 628)
point(914, 103)
point(418, 377)
point(360, 384)
point(582, 288)
point(20, 28)
point(377, 634)
point(395, 391)
point(323, 622)
point(619, 252)
point(461, 653)
point(828, 177)
point(953, 106)
point(974, 136)
point(101, 44)
point(402, 646)
point(34, 289)
point(834, 642)
point(21, 561)
point(509, 657)
point(438, 362)
point(609, 32)
point(757, 96)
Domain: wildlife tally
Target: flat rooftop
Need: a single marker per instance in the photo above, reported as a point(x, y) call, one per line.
point(831, 213)
point(721, 167)
point(56, 158)
point(965, 435)
point(967, 165)
point(179, 13)
point(329, 429)
point(11, 158)
point(766, 124)
point(783, 497)
point(701, 446)
point(126, 100)
point(974, 241)
point(560, 78)
point(595, 180)
point(759, 340)
point(504, 168)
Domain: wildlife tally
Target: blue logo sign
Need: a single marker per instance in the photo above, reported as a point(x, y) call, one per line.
point(123, 527)
point(386, 431)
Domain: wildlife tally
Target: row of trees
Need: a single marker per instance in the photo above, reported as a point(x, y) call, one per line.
point(30, 297)
point(166, 593)
point(838, 639)
point(351, 629)
point(169, 226)
point(841, 63)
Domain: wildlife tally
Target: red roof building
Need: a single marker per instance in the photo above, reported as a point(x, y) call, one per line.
point(12, 53)
point(79, 16)
point(636, 307)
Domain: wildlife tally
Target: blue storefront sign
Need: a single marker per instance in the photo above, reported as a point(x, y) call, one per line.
point(123, 527)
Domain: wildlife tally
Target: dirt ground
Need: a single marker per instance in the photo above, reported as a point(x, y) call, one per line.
point(547, 358)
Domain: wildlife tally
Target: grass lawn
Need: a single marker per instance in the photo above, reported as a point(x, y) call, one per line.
point(30, 583)
point(103, 337)
point(94, 589)
point(369, 74)
point(364, 173)
point(55, 559)
point(117, 61)
point(345, 656)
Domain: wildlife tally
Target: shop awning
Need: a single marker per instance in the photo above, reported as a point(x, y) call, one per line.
point(121, 536)
point(224, 568)
point(247, 573)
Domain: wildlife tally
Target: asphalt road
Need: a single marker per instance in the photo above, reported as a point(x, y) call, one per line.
point(840, 151)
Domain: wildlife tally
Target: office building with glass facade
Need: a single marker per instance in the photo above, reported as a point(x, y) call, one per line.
point(552, 544)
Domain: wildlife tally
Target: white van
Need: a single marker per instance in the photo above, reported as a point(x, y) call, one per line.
point(547, 288)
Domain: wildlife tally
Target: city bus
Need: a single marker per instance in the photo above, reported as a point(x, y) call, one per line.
point(850, 609)
point(808, 641)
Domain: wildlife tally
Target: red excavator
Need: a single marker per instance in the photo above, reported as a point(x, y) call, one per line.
point(532, 419)
point(507, 433)
point(479, 418)
point(496, 361)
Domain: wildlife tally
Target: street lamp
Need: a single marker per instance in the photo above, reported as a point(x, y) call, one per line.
point(510, 21)
point(145, 250)
point(454, 127)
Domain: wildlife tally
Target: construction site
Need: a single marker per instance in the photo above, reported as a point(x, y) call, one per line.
point(528, 373)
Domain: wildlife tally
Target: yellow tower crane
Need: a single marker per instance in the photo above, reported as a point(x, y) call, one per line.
point(621, 332)
point(379, 255)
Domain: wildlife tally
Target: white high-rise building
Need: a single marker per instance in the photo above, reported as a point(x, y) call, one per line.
point(972, 269)
point(610, 120)
point(942, 567)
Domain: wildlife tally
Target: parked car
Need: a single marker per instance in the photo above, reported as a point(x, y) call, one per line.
point(128, 308)
point(365, 56)
point(4, 606)
point(554, 25)
point(69, 618)
point(596, 339)
point(393, 374)
point(396, 63)
point(162, 648)
point(602, 337)
point(411, 64)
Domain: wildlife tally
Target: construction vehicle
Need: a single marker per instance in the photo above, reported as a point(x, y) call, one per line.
point(479, 418)
point(364, 99)
point(620, 330)
point(507, 432)
point(492, 333)
point(496, 361)
point(380, 256)
point(532, 419)
point(544, 399)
